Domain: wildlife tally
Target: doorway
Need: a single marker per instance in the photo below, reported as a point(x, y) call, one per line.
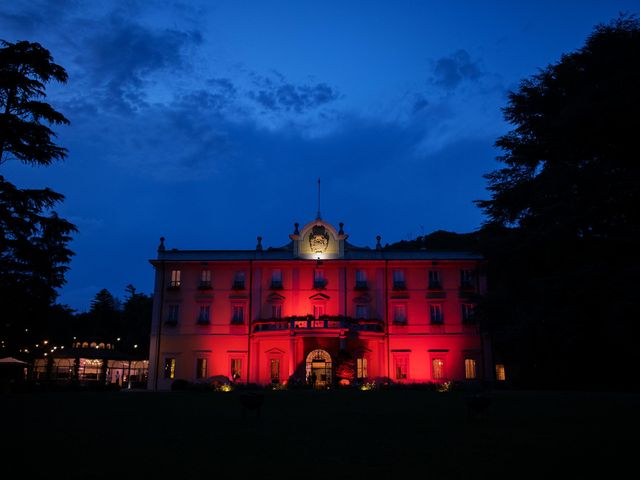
point(319, 371)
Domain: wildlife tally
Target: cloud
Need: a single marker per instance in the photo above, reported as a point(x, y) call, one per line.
point(451, 70)
point(120, 60)
point(278, 95)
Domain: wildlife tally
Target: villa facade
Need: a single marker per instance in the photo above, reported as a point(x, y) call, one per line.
point(317, 310)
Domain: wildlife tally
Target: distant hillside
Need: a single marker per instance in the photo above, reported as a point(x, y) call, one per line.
point(440, 240)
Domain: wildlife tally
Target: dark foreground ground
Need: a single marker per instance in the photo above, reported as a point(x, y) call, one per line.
point(302, 434)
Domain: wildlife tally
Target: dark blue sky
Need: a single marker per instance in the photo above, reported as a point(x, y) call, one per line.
point(209, 123)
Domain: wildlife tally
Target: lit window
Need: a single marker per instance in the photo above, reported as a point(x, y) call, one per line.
point(238, 314)
point(276, 311)
point(205, 279)
point(362, 311)
point(361, 279)
point(238, 281)
point(398, 280)
point(470, 369)
point(467, 313)
point(435, 314)
point(361, 367)
point(276, 279)
point(400, 314)
point(275, 370)
point(173, 313)
point(318, 311)
point(236, 368)
point(175, 279)
point(500, 373)
point(169, 368)
point(434, 280)
point(201, 368)
point(203, 315)
point(401, 367)
point(437, 368)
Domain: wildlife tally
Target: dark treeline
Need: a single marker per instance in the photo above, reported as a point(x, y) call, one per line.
point(107, 320)
point(563, 224)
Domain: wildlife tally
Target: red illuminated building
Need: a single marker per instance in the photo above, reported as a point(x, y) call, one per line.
point(318, 309)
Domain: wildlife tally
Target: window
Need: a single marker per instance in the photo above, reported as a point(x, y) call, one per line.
point(437, 368)
point(467, 313)
point(238, 281)
point(237, 317)
point(318, 311)
point(362, 311)
point(276, 311)
point(276, 279)
point(398, 280)
point(203, 315)
point(318, 279)
point(501, 375)
point(361, 367)
point(435, 314)
point(400, 314)
point(361, 280)
point(201, 368)
point(470, 369)
point(275, 370)
point(173, 313)
point(401, 367)
point(170, 368)
point(175, 279)
point(205, 279)
point(466, 278)
point(434, 280)
point(236, 368)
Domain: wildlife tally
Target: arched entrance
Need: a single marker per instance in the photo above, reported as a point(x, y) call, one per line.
point(319, 372)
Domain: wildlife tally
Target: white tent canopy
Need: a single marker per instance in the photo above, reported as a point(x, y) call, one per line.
point(11, 360)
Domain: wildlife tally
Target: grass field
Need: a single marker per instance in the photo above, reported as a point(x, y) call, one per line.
point(317, 434)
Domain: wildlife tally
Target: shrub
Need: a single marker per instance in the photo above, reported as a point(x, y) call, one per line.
point(180, 385)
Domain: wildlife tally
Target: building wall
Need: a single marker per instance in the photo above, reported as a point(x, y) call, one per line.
point(219, 341)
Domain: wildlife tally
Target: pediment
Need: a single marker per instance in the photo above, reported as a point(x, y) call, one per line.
point(275, 297)
point(275, 351)
point(319, 296)
point(362, 299)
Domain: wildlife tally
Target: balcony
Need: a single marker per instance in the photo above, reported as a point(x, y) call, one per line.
point(174, 285)
point(322, 323)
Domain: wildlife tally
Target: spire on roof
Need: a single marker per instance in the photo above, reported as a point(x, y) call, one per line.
point(319, 217)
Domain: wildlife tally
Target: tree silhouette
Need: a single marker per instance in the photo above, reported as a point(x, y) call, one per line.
point(563, 224)
point(34, 255)
point(25, 69)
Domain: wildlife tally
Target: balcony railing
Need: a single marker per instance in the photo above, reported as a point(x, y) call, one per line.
point(310, 323)
point(174, 285)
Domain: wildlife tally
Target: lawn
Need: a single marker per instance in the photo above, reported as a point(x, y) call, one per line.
point(312, 434)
